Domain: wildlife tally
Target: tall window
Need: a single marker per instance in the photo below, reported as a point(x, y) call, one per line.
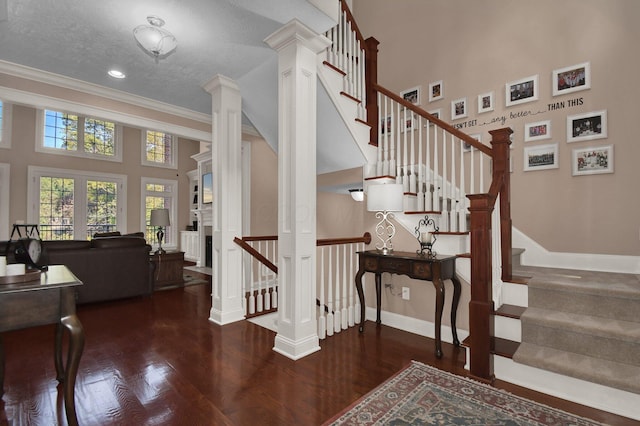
point(160, 194)
point(75, 205)
point(73, 134)
point(159, 149)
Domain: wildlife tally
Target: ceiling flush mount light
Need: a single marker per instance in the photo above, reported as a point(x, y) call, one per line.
point(357, 194)
point(153, 39)
point(116, 74)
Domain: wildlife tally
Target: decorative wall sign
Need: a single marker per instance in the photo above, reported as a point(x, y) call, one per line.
point(458, 108)
point(587, 126)
point(485, 102)
point(571, 79)
point(436, 91)
point(412, 95)
point(537, 131)
point(591, 161)
point(520, 91)
point(541, 157)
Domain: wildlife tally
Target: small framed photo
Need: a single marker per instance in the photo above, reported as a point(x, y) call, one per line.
point(385, 126)
point(436, 91)
point(537, 131)
point(437, 113)
point(541, 157)
point(592, 161)
point(485, 102)
point(409, 119)
point(412, 95)
point(587, 126)
point(571, 79)
point(521, 91)
point(459, 108)
point(466, 147)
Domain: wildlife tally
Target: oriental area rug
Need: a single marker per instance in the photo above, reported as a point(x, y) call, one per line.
point(423, 395)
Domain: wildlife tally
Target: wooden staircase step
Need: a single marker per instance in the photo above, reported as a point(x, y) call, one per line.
point(499, 346)
point(510, 311)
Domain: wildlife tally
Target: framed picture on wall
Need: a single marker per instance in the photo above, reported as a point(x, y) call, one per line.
point(571, 79)
point(408, 118)
point(587, 126)
point(521, 91)
point(458, 108)
point(591, 161)
point(385, 125)
point(437, 113)
point(485, 102)
point(541, 157)
point(436, 91)
point(537, 131)
point(467, 147)
point(412, 95)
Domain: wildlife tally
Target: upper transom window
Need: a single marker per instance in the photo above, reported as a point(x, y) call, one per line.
point(159, 149)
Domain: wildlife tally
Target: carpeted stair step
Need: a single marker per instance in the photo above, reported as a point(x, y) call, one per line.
point(598, 337)
point(603, 294)
point(608, 373)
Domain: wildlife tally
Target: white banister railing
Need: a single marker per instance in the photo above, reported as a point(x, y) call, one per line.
point(434, 166)
point(347, 54)
point(338, 306)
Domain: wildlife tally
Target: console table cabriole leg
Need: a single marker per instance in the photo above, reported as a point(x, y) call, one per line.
point(378, 297)
point(359, 275)
point(454, 308)
point(76, 345)
point(1, 366)
point(439, 286)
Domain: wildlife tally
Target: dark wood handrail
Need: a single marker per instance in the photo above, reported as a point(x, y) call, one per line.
point(366, 238)
point(261, 238)
point(352, 21)
point(442, 124)
point(255, 253)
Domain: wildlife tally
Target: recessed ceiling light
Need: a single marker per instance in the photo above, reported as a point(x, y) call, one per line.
point(116, 74)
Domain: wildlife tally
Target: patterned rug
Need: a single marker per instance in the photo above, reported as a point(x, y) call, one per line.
point(423, 395)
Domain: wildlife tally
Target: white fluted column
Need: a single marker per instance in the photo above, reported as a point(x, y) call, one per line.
point(297, 47)
point(226, 150)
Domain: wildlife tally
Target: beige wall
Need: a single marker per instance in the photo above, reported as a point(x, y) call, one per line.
point(478, 46)
point(22, 154)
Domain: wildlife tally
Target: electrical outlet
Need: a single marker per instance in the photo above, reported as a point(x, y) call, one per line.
point(406, 295)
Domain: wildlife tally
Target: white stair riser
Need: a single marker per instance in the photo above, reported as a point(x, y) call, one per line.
point(507, 328)
point(515, 294)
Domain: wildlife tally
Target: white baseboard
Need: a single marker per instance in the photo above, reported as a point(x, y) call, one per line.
point(582, 392)
point(414, 325)
point(536, 255)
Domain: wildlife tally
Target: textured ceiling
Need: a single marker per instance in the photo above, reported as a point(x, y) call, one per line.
point(83, 39)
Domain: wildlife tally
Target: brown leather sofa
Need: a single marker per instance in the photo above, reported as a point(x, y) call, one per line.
point(110, 268)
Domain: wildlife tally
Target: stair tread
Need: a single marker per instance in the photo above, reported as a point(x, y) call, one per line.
point(580, 366)
point(499, 346)
point(510, 311)
point(611, 284)
point(585, 324)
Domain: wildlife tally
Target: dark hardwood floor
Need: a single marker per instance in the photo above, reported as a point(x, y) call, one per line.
point(159, 361)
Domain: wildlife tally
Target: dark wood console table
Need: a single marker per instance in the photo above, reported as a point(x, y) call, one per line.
point(435, 269)
point(48, 300)
point(168, 268)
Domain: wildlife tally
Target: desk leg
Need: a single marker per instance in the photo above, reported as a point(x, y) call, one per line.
point(1, 366)
point(68, 376)
point(439, 285)
point(454, 308)
point(359, 275)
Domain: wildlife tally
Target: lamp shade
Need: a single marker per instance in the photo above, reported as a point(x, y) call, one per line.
point(160, 217)
point(385, 197)
point(154, 39)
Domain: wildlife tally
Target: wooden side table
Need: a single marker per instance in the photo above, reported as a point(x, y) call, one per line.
point(434, 269)
point(167, 271)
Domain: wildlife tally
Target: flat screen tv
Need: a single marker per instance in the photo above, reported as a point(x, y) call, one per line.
point(207, 188)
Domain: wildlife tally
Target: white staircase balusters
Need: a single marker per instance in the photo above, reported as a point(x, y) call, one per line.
point(330, 325)
point(462, 196)
point(345, 311)
point(453, 210)
point(337, 315)
point(351, 320)
point(412, 162)
point(428, 198)
point(322, 319)
point(420, 188)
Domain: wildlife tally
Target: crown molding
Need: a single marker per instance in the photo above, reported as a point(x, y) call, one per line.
point(34, 74)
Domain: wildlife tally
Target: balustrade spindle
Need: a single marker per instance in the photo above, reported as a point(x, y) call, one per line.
point(330, 325)
point(322, 320)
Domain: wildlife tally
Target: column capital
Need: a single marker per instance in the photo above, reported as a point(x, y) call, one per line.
point(296, 32)
point(220, 80)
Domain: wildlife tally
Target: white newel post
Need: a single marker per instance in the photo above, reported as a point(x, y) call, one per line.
point(297, 48)
point(226, 150)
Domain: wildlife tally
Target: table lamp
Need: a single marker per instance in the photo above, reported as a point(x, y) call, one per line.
point(160, 219)
point(385, 199)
